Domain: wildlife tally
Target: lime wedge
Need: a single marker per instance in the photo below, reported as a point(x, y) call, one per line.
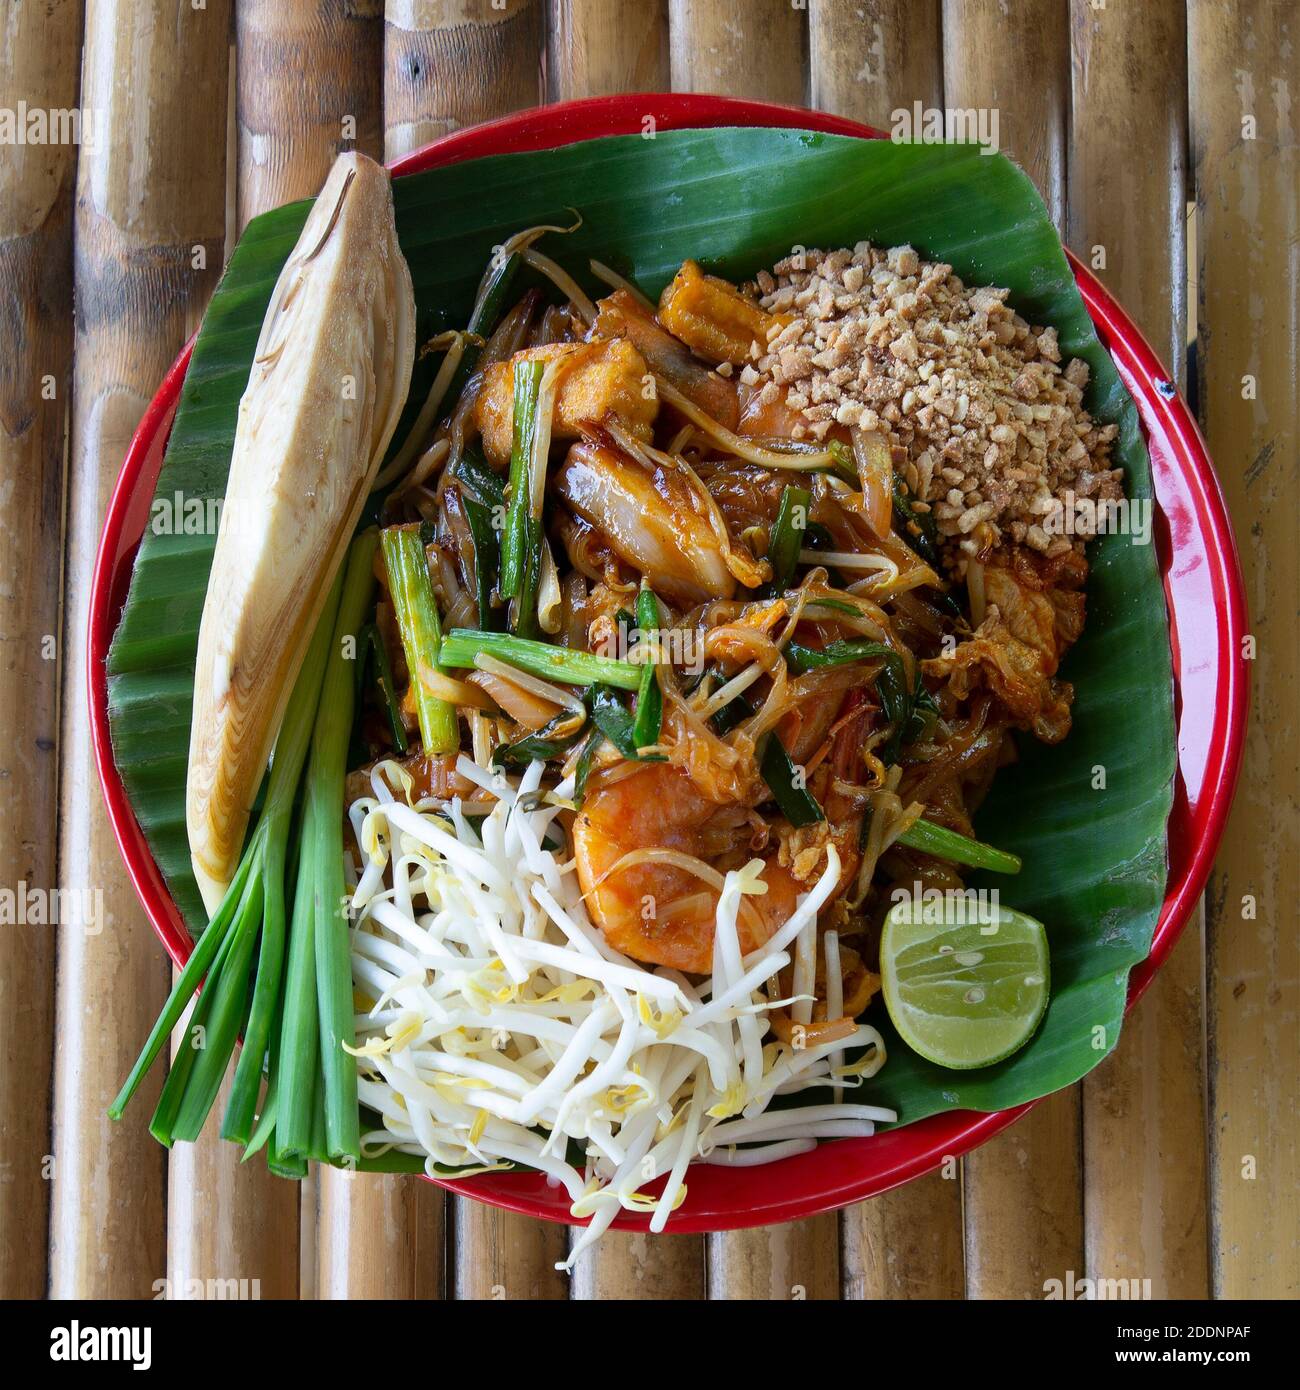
point(963, 993)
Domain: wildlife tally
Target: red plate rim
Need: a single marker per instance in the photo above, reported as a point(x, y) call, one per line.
point(1198, 561)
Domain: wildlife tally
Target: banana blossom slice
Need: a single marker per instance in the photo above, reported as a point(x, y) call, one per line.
point(329, 379)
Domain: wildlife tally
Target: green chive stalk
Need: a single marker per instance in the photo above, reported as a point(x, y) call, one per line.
point(521, 559)
point(294, 1075)
point(286, 770)
point(649, 697)
point(461, 645)
point(224, 951)
point(374, 644)
point(797, 803)
point(787, 535)
point(325, 777)
point(421, 631)
point(229, 994)
point(943, 843)
point(163, 1124)
point(493, 288)
point(206, 951)
point(839, 653)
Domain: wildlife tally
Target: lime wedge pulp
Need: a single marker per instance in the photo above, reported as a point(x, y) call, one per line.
point(963, 992)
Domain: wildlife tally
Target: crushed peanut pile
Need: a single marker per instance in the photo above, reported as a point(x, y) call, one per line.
point(994, 429)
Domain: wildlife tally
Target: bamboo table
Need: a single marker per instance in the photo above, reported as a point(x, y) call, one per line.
point(1162, 134)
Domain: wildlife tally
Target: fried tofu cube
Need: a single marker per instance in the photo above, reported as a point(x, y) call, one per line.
point(713, 318)
point(596, 379)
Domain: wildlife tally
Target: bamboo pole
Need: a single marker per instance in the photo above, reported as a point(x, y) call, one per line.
point(1144, 1217)
point(799, 1261)
point(600, 46)
point(630, 1266)
point(230, 1225)
point(1244, 63)
point(150, 224)
point(1024, 1204)
point(907, 1243)
point(38, 65)
point(746, 48)
point(379, 1236)
point(450, 63)
point(1014, 60)
point(505, 1257)
point(310, 85)
point(874, 56)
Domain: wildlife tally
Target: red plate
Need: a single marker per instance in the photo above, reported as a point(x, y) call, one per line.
point(1202, 580)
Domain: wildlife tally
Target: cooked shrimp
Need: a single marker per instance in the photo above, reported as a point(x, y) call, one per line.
point(649, 519)
point(657, 909)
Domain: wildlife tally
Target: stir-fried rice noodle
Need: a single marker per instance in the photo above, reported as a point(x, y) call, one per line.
point(840, 650)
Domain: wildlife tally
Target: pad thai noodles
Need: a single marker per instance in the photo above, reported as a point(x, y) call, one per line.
point(800, 691)
point(690, 633)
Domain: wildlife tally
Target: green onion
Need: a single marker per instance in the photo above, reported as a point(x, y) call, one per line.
point(417, 621)
point(836, 605)
point(206, 951)
point(840, 653)
point(649, 698)
point(286, 769)
point(488, 306)
point(229, 1001)
point(732, 713)
point(319, 1148)
point(610, 716)
point(163, 1123)
point(462, 644)
point(300, 1020)
point(487, 559)
point(521, 543)
point(324, 789)
point(549, 741)
point(943, 843)
point(265, 1126)
point(265, 1121)
point(491, 297)
point(916, 528)
point(924, 713)
point(582, 769)
point(473, 472)
point(374, 642)
point(843, 463)
point(797, 803)
point(292, 1166)
point(483, 493)
point(786, 539)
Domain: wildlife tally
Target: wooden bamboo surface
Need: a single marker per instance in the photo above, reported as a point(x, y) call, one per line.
point(1176, 1160)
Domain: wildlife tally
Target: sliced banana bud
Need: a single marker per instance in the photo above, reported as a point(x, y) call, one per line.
point(328, 382)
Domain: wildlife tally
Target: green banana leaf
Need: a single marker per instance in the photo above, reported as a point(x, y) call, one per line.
point(739, 199)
